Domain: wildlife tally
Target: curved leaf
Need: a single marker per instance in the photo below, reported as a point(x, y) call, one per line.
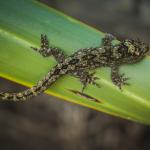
point(22, 22)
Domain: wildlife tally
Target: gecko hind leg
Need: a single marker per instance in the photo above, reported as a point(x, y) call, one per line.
point(45, 50)
point(87, 78)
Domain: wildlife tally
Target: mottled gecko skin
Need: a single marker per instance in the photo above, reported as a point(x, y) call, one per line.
point(81, 62)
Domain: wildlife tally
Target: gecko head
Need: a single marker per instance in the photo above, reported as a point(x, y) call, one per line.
point(135, 50)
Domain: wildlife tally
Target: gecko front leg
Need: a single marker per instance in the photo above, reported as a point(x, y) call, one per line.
point(45, 50)
point(86, 78)
point(118, 79)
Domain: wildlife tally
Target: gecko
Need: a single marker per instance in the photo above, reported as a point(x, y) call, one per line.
point(82, 62)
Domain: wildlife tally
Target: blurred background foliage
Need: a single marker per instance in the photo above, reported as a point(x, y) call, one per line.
point(53, 124)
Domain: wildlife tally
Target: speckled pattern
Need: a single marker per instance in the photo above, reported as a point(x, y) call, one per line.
point(82, 61)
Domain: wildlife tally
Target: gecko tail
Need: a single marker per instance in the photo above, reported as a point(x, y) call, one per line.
point(28, 93)
point(5, 96)
point(39, 88)
point(23, 95)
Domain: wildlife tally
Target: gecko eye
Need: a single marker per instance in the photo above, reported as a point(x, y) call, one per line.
point(130, 46)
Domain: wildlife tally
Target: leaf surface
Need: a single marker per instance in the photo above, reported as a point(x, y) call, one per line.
point(21, 24)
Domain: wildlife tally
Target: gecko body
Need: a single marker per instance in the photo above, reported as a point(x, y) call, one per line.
point(82, 62)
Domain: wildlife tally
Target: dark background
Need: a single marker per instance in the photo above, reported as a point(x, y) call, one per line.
point(46, 122)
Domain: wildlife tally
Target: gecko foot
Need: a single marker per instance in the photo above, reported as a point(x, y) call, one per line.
point(120, 81)
point(44, 49)
point(89, 78)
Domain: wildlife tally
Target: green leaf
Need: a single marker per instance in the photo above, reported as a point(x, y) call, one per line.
point(22, 22)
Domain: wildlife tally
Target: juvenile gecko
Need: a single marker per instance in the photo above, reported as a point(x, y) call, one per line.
point(82, 61)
